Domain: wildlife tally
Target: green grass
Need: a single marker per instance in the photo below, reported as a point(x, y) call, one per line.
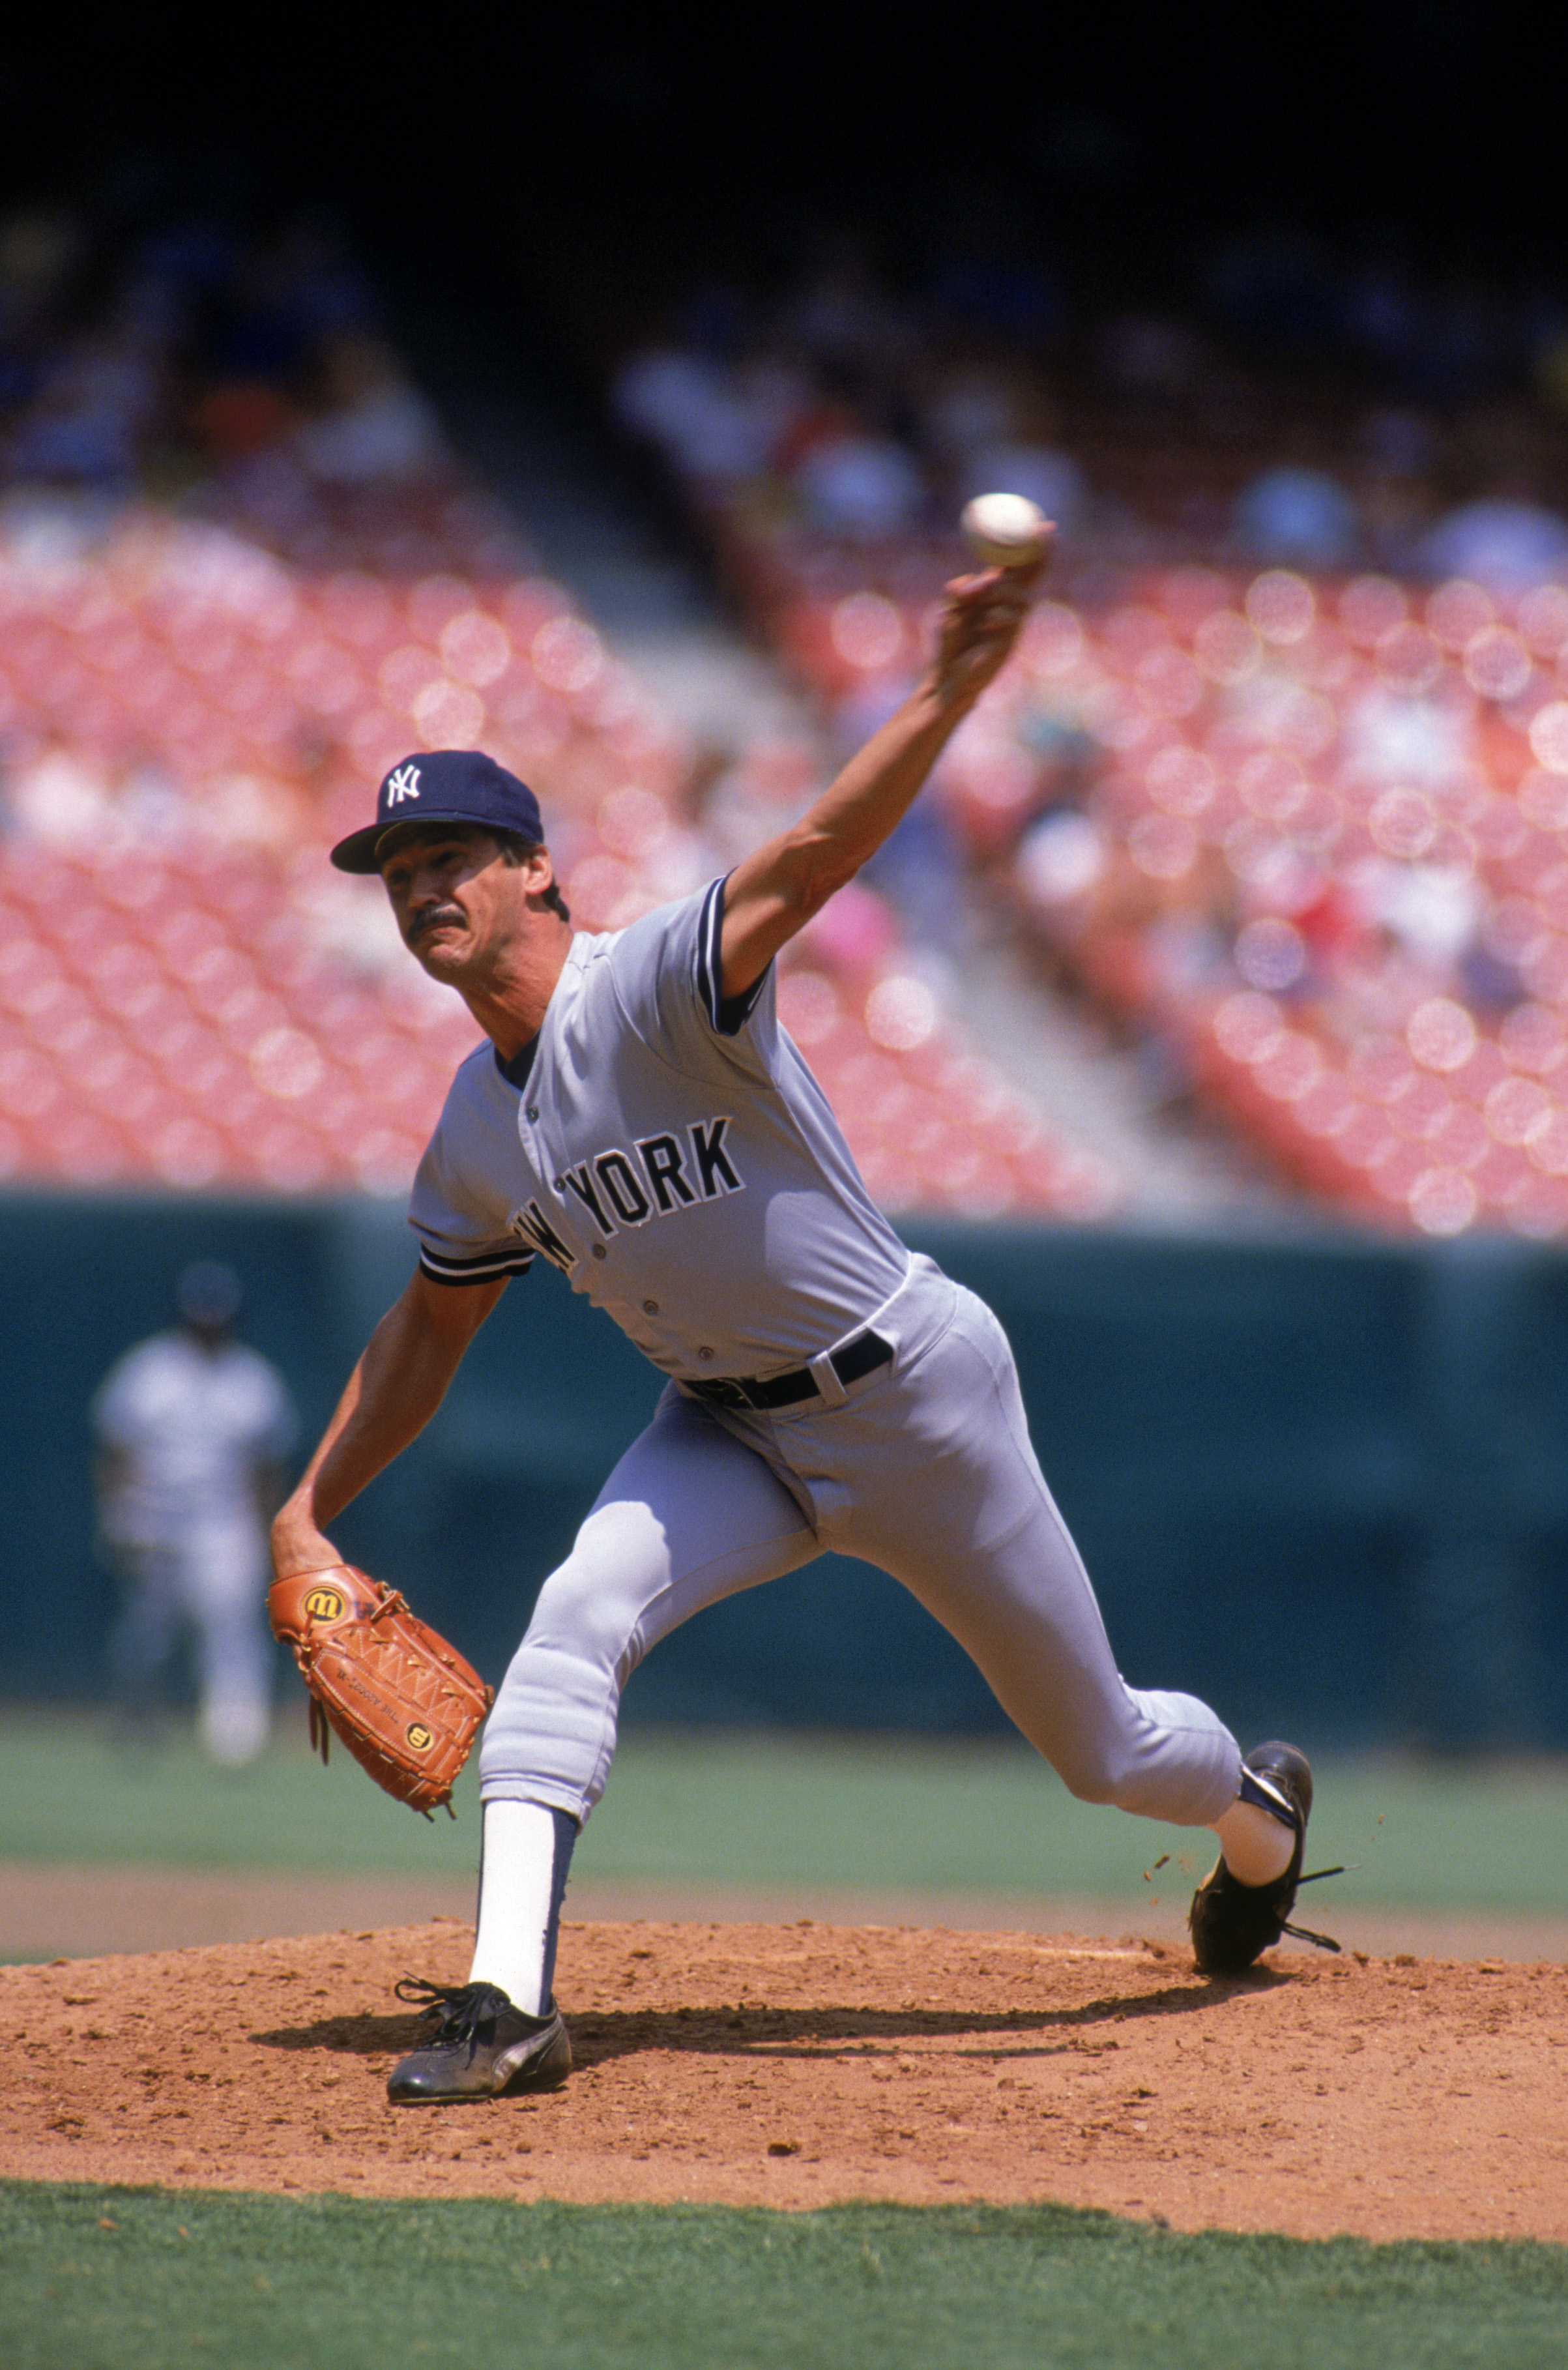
point(774, 1811)
point(339, 2283)
point(992, 1819)
point(69, 1794)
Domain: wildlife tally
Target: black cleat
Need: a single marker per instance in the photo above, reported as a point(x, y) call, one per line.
point(483, 2047)
point(1233, 1922)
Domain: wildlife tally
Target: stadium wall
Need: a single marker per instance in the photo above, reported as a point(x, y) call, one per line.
point(1323, 1482)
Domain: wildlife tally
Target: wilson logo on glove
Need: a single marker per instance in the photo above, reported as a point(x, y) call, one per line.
point(405, 1703)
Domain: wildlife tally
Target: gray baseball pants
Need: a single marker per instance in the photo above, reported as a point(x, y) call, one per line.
point(925, 1469)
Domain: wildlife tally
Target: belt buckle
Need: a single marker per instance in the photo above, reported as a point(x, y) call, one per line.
point(725, 1392)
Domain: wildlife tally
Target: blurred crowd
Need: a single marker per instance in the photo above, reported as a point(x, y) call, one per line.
point(241, 576)
point(1278, 788)
point(1280, 783)
point(233, 376)
point(1294, 412)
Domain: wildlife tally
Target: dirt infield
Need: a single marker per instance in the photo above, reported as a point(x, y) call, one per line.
point(792, 2065)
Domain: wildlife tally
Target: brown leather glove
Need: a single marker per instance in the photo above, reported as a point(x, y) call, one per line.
point(405, 1703)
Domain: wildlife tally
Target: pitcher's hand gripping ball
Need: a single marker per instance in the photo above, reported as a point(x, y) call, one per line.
point(405, 1703)
point(1006, 530)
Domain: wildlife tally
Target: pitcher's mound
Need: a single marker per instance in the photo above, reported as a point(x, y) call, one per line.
point(798, 2066)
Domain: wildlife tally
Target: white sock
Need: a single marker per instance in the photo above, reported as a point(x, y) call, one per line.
point(522, 1876)
point(1257, 1846)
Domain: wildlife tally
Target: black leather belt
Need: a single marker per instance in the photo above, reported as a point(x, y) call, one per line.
point(861, 1356)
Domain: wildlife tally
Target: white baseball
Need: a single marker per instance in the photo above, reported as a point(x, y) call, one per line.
point(1005, 529)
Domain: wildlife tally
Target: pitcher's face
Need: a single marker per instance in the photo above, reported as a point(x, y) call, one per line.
point(459, 904)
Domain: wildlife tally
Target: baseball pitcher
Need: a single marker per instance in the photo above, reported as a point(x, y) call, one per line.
point(638, 1117)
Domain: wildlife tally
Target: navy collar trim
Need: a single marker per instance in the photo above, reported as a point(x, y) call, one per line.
point(515, 1072)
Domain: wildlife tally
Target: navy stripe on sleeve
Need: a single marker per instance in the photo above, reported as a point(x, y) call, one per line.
point(488, 1268)
point(710, 924)
point(728, 1013)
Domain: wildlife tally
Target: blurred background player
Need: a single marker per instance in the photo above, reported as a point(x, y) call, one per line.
point(192, 1426)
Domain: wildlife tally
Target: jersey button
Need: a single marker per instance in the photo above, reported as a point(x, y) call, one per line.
point(650, 1308)
point(705, 1354)
point(533, 1110)
point(598, 1250)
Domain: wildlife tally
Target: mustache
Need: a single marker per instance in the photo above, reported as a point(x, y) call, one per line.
point(433, 918)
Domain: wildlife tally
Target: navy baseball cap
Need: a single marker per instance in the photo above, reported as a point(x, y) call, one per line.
point(443, 786)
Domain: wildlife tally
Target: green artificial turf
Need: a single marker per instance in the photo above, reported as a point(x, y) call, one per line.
point(774, 1811)
point(119, 2279)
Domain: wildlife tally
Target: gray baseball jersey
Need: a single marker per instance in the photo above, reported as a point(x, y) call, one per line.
point(673, 1155)
point(670, 1153)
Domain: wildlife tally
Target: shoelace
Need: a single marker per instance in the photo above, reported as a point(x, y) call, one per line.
point(1305, 1933)
point(468, 2011)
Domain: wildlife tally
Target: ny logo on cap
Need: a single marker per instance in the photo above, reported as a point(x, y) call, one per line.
point(404, 784)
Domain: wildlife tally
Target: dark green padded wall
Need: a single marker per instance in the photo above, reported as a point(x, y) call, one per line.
point(1322, 1481)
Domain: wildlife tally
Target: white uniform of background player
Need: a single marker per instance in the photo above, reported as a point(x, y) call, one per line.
point(642, 1119)
point(193, 1425)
